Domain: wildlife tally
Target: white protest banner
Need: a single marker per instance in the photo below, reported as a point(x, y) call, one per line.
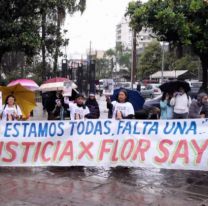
point(1, 102)
point(67, 92)
point(172, 144)
point(108, 86)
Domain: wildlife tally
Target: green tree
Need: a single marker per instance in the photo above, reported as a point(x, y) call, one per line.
point(53, 13)
point(178, 22)
point(63, 7)
point(150, 60)
point(19, 31)
point(19, 27)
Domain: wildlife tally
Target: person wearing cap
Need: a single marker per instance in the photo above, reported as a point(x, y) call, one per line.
point(196, 107)
point(92, 104)
point(78, 109)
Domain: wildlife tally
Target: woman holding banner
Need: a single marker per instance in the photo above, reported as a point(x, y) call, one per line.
point(78, 109)
point(10, 111)
point(122, 109)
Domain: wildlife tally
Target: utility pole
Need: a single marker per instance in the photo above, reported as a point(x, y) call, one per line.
point(134, 56)
point(163, 62)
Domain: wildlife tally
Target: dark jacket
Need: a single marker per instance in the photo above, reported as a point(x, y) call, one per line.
point(195, 109)
point(205, 109)
point(94, 109)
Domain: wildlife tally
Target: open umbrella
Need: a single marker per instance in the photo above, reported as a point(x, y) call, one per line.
point(173, 86)
point(27, 83)
point(55, 84)
point(133, 96)
point(24, 97)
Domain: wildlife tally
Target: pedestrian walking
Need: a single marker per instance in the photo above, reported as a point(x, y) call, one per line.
point(198, 105)
point(180, 103)
point(11, 111)
point(93, 106)
point(121, 108)
point(166, 110)
point(78, 109)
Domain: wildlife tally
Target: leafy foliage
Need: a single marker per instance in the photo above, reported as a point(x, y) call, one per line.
point(177, 22)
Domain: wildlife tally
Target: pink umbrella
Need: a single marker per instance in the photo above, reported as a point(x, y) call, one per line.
point(27, 83)
point(57, 79)
point(55, 84)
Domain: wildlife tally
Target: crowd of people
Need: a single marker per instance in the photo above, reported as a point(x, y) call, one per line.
point(177, 105)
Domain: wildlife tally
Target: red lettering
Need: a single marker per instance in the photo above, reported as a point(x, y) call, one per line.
point(27, 148)
point(181, 152)
point(85, 150)
point(1, 147)
point(164, 150)
point(131, 142)
point(43, 153)
point(104, 149)
point(68, 151)
point(37, 151)
point(56, 150)
point(11, 152)
point(199, 150)
point(115, 149)
point(141, 150)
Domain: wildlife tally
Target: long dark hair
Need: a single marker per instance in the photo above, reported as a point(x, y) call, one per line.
point(126, 94)
point(164, 96)
point(6, 101)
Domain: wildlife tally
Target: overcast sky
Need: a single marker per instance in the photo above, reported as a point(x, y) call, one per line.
point(96, 24)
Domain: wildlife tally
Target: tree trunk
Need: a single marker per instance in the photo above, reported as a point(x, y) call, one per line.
point(58, 37)
point(43, 25)
point(179, 51)
point(1, 70)
point(204, 63)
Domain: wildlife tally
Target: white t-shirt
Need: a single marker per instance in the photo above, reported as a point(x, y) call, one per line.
point(125, 108)
point(74, 109)
point(181, 103)
point(6, 110)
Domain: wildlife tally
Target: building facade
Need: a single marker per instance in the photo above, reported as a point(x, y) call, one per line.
point(124, 35)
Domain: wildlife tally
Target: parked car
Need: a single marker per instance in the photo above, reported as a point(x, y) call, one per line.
point(195, 87)
point(151, 91)
point(126, 85)
point(152, 105)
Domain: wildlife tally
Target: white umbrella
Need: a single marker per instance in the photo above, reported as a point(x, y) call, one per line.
point(54, 86)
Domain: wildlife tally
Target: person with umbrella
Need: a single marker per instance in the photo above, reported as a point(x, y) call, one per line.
point(180, 103)
point(92, 104)
point(11, 111)
point(122, 109)
point(20, 96)
point(78, 109)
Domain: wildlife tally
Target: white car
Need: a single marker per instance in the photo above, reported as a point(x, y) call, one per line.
point(151, 91)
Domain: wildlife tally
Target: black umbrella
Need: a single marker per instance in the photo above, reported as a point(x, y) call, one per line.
point(173, 86)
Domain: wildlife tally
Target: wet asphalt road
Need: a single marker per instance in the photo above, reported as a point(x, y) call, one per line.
point(102, 186)
point(75, 186)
